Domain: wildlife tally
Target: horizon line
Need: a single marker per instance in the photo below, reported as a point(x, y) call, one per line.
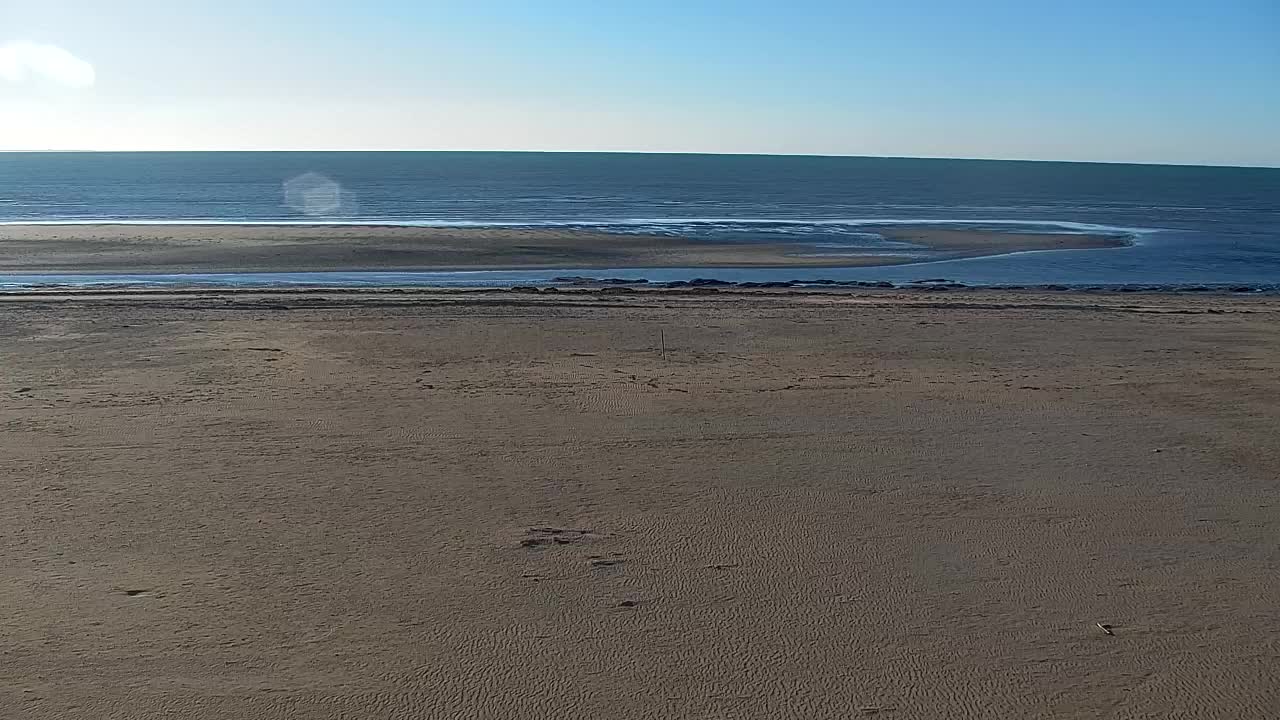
point(640, 152)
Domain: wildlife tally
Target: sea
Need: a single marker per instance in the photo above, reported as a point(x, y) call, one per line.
point(1186, 225)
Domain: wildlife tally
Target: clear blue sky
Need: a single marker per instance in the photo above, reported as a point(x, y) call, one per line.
point(1185, 81)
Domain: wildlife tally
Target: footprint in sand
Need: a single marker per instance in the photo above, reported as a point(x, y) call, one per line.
point(537, 537)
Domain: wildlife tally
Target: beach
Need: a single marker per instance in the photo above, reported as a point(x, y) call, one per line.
point(834, 504)
point(106, 248)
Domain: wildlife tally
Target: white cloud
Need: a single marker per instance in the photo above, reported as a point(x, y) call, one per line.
point(22, 62)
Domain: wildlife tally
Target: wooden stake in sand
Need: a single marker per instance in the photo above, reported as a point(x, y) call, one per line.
point(662, 339)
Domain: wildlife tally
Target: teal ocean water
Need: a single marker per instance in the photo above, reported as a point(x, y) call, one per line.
point(1188, 225)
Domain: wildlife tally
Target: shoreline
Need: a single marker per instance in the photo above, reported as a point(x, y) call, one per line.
point(182, 249)
point(623, 286)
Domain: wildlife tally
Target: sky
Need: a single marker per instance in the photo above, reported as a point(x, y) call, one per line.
point(1174, 81)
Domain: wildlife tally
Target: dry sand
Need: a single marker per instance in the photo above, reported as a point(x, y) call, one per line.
point(265, 248)
point(495, 505)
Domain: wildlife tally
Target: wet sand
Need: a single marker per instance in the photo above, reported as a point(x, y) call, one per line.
point(497, 505)
point(264, 248)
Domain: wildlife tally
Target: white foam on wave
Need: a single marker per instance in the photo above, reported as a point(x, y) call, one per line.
point(1065, 226)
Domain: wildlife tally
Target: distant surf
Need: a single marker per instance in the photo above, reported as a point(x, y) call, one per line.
point(628, 224)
